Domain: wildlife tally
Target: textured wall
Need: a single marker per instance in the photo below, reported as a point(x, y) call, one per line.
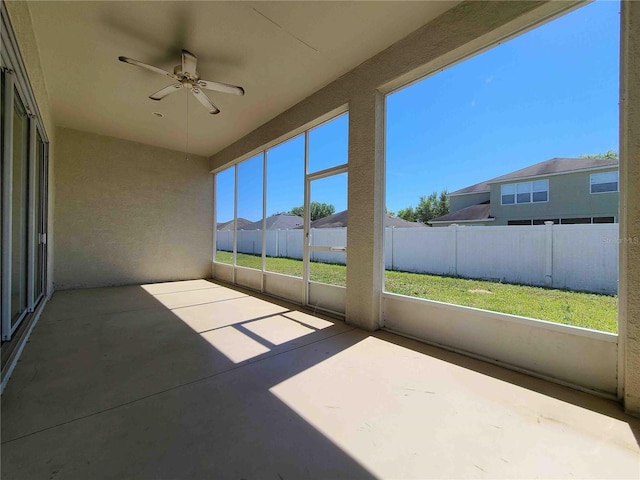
point(23, 29)
point(630, 206)
point(128, 213)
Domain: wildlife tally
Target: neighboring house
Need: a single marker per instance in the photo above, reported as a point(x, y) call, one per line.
point(280, 221)
point(229, 225)
point(562, 190)
point(339, 220)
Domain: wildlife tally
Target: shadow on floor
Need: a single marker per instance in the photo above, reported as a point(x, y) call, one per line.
point(201, 380)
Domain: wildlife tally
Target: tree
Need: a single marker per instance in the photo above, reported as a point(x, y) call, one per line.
point(608, 155)
point(318, 210)
point(430, 207)
point(408, 214)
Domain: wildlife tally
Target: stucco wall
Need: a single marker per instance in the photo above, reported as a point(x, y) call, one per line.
point(569, 196)
point(23, 29)
point(629, 365)
point(129, 213)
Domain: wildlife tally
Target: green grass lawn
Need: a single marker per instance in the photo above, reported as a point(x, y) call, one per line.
point(599, 312)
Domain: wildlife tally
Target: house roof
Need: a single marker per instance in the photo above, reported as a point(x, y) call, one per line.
point(548, 167)
point(474, 212)
point(339, 220)
point(281, 221)
point(229, 225)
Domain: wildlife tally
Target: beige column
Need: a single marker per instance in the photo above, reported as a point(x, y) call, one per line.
point(629, 369)
point(366, 207)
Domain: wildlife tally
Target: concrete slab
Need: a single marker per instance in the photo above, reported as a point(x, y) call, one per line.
point(80, 361)
point(293, 396)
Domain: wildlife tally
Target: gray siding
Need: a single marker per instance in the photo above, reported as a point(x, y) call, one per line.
point(458, 202)
point(569, 196)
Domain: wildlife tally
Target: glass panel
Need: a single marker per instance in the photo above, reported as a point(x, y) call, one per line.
point(328, 230)
point(329, 144)
point(508, 194)
point(509, 189)
point(249, 221)
point(540, 196)
point(39, 218)
point(541, 186)
point(506, 109)
point(575, 221)
point(604, 187)
point(524, 192)
point(604, 182)
point(285, 202)
point(607, 177)
point(224, 204)
point(603, 219)
point(19, 212)
point(508, 199)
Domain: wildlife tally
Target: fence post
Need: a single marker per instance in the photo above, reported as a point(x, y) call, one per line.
point(455, 249)
point(392, 247)
point(548, 259)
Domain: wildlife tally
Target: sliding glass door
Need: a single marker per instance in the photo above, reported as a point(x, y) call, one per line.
point(24, 207)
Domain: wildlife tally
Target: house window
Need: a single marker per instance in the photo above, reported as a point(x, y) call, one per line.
point(540, 190)
point(525, 192)
point(508, 194)
point(604, 182)
point(603, 220)
point(576, 220)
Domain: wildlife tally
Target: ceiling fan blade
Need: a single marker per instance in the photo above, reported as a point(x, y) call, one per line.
point(221, 87)
point(146, 66)
point(160, 94)
point(204, 100)
point(189, 62)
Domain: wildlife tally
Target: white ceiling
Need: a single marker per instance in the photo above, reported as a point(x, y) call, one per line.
point(280, 52)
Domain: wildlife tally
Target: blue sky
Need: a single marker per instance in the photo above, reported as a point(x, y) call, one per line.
point(552, 92)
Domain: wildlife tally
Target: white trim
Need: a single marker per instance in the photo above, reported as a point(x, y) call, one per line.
point(328, 172)
point(506, 365)
point(7, 196)
point(321, 120)
point(264, 219)
point(558, 327)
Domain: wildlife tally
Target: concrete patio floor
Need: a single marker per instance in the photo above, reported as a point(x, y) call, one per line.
point(198, 380)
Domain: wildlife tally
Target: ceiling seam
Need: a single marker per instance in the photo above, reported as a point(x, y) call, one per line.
point(285, 30)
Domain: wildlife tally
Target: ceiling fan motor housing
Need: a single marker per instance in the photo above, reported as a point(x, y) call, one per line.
point(187, 79)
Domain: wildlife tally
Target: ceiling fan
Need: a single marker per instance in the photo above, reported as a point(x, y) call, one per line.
point(188, 77)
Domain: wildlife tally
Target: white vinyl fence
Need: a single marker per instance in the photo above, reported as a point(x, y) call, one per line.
point(577, 257)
